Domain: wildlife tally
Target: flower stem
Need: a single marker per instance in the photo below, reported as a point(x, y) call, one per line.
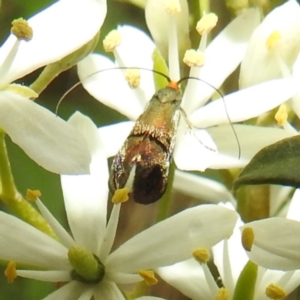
point(12, 198)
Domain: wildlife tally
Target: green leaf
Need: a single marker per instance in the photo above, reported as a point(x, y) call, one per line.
point(275, 164)
point(245, 286)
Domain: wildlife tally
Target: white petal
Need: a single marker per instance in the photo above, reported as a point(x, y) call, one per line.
point(245, 104)
point(113, 136)
point(60, 231)
point(50, 276)
point(275, 245)
point(57, 25)
point(200, 187)
point(108, 290)
point(222, 57)
point(262, 64)
point(133, 54)
point(23, 243)
point(293, 212)
point(109, 85)
point(187, 277)
point(250, 138)
point(85, 196)
point(158, 23)
point(45, 138)
point(71, 290)
point(173, 239)
point(194, 151)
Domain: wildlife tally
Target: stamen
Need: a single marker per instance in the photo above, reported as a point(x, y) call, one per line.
point(272, 40)
point(148, 276)
point(22, 90)
point(120, 195)
point(112, 41)
point(87, 267)
point(172, 7)
point(11, 272)
point(275, 292)
point(133, 77)
point(21, 29)
point(33, 195)
point(281, 115)
point(202, 255)
point(207, 23)
point(194, 58)
point(247, 238)
point(222, 294)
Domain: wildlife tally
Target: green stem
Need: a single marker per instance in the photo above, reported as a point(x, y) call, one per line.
point(12, 198)
point(165, 201)
point(204, 7)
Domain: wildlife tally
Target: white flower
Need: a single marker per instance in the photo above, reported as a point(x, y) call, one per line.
point(196, 281)
point(193, 150)
point(46, 138)
point(85, 199)
point(273, 47)
point(274, 242)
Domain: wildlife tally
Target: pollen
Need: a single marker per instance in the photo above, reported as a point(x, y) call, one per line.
point(11, 272)
point(273, 40)
point(172, 7)
point(133, 77)
point(207, 23)
point(148, 276)
point(33, 195)
point(112, 41)
point(247, 238)
point(202, 255)
point(222, 294)
point(275, 292)
point(21, 29)
point(194, 58)
point(120, 195)
point(281, 115)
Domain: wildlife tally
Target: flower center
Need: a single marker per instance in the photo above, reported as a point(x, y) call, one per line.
point(133, 77)
point(87, 267)
point(207, 23)
point(148, 276)
point(194, 58)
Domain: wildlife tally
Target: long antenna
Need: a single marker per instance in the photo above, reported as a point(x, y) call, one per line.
point(225, 107)
point(169, 80)
point(100, 71)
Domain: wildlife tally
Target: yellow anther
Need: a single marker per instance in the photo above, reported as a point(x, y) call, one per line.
point(148, 276)
point(21, 29)
point(275, 292)
point(194, 58)
point(207, 23)
point(272, 40)
point(247, 238)
point(112, 41)
point(281, 115)
point(133, 77)
point(22, 90)
point(11, 272)
point(32, 195)
point(172, 7)
point(202, 255)
point(120, 196)
point(222, 294)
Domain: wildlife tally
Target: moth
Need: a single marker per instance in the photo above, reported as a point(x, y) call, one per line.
point(143, 162)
